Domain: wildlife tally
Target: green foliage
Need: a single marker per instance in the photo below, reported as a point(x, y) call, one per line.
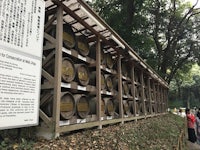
point(17, 139)
point(185, 86)
point(164, 33)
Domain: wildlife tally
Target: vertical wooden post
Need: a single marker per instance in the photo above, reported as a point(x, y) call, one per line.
point(154, 93)
point(149, 93)
point(58, 66)
point(162, 100)
point(121, 112)
point(166, 99)
point(98, 80)
point(133, 89)
point(142, 86)
point(158, 97)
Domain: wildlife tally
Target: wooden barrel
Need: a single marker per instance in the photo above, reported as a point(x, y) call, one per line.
point(126, 108)
point(124, 69)
point(68, 70)
point(82, 45)
point(67, 106)
point(153, 108)
point(131, 105)
point(82, 74)
point(146, 94)
point(140, 104)
point(137, 92)
point(110, 107)
point(109, 60)
point(93, 80)
point(109, 82)
point(147, 107)
point(82, 105)
point(136, 77)
point(125, 87)
point(92, 54)
point(93, 106)
point(137, 108)
point(152, 96)
point(68, 35)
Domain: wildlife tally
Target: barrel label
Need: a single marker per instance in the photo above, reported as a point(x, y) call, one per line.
point(64, 106)
point(68, 38)
point(102, 107)
point(67, 71)
point(83, 46)
point(82, 107)
point(83, 76)
point(110, 108)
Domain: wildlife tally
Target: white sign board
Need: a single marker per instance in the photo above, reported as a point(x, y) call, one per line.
point(21, 39)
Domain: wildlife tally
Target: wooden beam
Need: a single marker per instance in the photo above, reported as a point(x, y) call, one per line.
point(45, 118)
point(58, 67)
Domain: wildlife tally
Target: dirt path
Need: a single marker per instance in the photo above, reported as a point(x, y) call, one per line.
point(193, 146)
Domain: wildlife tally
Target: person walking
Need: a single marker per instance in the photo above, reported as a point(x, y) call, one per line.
point(198, 127)
point(190, 124)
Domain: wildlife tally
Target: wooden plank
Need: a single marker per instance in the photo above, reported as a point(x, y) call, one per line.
point(142, 87)
point(133, 89)
point(98, 80)
point(78, 126)
point(149, 93)
point(48, 76)
point(45, 98)
point(49, 38)
point(58, 66)
point(50, 21)
point(48, 46)
point(48, 58)
point(45, 118)
point(119, 65)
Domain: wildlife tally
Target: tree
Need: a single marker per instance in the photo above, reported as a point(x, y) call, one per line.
point(185, 85)
point(173, 27)
point(165, 32)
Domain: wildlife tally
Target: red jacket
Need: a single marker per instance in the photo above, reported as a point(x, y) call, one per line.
point(190, 120)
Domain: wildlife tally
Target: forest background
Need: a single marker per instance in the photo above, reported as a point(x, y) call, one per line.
point(166, 35)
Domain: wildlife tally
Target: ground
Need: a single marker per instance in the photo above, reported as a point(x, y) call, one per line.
point(157, 133)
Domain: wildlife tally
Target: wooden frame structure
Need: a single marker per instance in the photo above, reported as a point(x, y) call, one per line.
point(140, 92)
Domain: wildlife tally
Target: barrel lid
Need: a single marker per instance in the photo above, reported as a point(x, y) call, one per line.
point(68, 70)
point(67, 106)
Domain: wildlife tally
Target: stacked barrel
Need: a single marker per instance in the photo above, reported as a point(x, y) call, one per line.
point(74, 72)
point(90, 76)
point(79, 77)
point(109, 101)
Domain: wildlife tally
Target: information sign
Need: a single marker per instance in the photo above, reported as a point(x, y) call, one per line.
point(21, 39)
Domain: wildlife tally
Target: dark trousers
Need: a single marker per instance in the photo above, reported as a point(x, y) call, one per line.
point(191, 135)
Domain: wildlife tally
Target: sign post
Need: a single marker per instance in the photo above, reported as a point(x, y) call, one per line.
point(21, 40)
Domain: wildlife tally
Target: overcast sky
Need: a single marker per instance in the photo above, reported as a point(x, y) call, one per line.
point(194, 1)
